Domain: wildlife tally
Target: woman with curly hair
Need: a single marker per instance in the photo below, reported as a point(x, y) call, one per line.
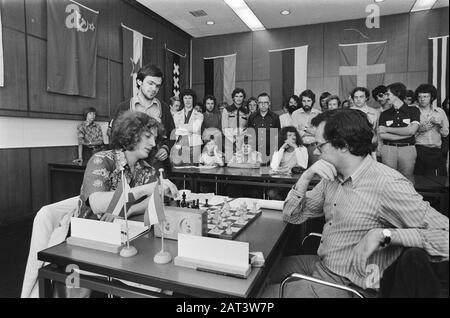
point(132, 139)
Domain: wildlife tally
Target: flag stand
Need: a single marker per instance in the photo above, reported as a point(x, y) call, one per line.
point(128, 250)
point(162, 257)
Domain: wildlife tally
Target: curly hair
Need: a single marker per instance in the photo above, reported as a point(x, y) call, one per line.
point(188, 92)
point(377, 90)
point(349, 128)
point(308, 93)
point(426, 88)
point(360, 89)
point(129, 127)
point(335, 97)
point(283, 135)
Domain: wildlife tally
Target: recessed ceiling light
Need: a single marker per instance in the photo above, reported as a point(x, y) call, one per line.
point(379, 0)
point(245, 14)
point(420, 5)
point(285, 12)
point(210, 22)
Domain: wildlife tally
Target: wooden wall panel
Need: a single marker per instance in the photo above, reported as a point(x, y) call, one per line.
point(14, 94)
point(424, 24)
point(259, 87)
point(14, 184)
point(13, 14)
point(36, 18)
point(116, 89)
point(40, 157)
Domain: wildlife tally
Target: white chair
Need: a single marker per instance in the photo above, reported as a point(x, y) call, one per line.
point(50, 227)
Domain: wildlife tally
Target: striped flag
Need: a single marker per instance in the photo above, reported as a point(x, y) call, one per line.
point(288, 74)
point(176, 73)
point(361, 64)
point(438, 66)
point(136, 51)
point(2, 71)
point(220, 76)
point(116, 205)
point(155, 208)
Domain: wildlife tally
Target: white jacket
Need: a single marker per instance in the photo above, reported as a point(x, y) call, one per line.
point(193, 129)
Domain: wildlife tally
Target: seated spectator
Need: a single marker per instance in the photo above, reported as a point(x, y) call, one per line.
point(333, 102)
point(211, 155)
point(246, 157)
point(90, 136)
point(291, 153)
point(292, 106)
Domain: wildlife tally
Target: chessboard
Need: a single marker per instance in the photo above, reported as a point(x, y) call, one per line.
point(230, 224)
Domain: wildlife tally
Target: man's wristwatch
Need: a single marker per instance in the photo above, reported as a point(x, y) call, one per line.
point(387, 238)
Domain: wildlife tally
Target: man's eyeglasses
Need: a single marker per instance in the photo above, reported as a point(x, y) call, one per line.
point(319, 146)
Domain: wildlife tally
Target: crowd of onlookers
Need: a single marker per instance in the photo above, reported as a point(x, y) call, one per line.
point(410, 130)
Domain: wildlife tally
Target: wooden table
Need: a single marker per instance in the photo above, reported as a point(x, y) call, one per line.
point(267, 234)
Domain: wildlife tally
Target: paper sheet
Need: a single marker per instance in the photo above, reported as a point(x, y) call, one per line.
point(226, 252)
point(106, 232)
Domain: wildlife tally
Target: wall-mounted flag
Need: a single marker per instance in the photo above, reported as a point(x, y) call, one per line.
point(71, 48)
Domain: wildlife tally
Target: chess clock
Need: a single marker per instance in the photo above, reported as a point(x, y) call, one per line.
point(183, 220)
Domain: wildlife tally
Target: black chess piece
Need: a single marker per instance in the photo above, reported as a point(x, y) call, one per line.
point(193, 205)
point(183, 201)
point(178, 203)
point(206, 203)
point(197, 205)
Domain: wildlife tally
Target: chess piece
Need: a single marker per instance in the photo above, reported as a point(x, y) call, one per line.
point(226, 206)
point(228, 230)
point(183, 201)
point(244, 206)
point(197, 206)
point(254, 209)
point(193, 206)
point(206, 203)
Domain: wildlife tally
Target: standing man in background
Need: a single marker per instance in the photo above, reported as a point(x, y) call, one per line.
point(433, 127)
point(234, 123)
point(266, 124)
point(302, 121)
point(149, 80)
point(397, 127)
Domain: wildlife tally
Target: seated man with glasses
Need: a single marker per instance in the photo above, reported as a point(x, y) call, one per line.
point(372, 212)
